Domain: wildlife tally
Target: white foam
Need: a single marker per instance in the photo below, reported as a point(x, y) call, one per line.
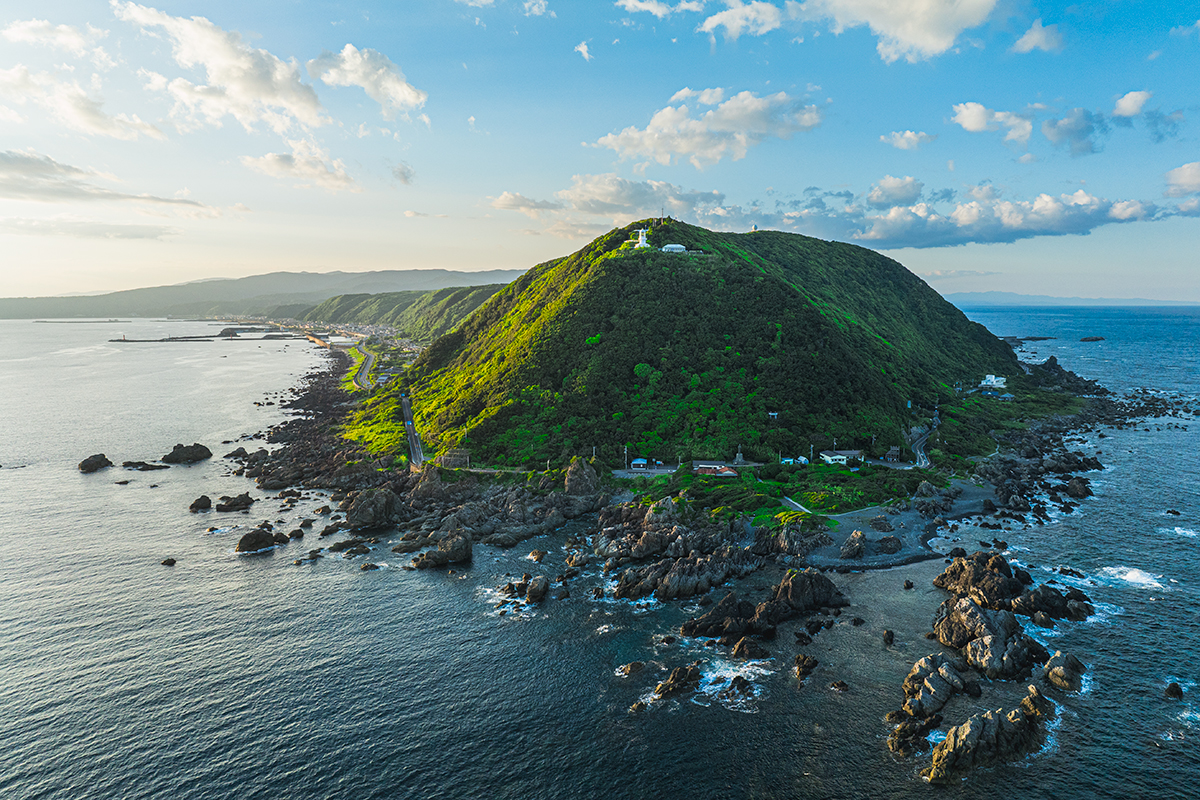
point(1188, 532)
point(1134, 576)
point(717, 674)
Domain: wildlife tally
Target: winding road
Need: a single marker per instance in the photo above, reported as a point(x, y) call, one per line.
point(362, 378)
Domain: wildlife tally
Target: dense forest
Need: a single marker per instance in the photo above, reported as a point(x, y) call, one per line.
point(770, 341)
point(419, 315)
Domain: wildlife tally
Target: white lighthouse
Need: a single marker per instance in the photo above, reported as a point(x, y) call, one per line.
point(641, 238)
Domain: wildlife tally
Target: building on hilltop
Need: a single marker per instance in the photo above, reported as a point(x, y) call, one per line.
point(993, 382)
point(674, 248)
point(840, 456)
point(641, 242)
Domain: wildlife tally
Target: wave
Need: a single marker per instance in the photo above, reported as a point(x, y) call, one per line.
point(1133, 576)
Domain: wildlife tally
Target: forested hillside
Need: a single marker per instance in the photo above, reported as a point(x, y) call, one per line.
point(419, 315)
point(767, 340)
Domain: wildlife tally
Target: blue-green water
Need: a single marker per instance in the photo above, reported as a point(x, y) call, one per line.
point(248, 677)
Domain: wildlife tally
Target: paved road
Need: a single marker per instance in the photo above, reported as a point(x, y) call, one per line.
point(362, 378)
point(416, 455)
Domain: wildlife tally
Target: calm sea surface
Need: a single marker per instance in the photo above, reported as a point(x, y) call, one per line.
point(248, 677)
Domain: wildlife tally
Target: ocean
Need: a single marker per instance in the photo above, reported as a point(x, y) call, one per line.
point(251, 677)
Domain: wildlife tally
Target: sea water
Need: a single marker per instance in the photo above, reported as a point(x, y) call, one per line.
point(250, 677)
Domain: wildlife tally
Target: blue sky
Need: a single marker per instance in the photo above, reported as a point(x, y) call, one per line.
point(1036, 147)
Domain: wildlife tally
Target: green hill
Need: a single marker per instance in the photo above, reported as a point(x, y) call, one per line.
point(420, 315)
point(685, 355)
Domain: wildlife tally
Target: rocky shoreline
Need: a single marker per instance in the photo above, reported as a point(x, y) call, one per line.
point(660, 552)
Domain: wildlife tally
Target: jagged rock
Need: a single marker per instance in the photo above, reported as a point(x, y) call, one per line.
point(855, 546)
point(1078, 488)
point(453, 549)
point(256, 541)
point(840, 686)
point(142, 466)
point(807, 590)
point(373, 508)
point(187, 454)
point(168, 562)
point(368, 567)
point(881, 524)
point(992, 641)
point(805, 665)
point(94, 463)
point(983, 576)
point(738, 689)
point(991, 737)
point(537, 555)
point(910, 736)
point(240, 503)
point(201, 503)
point(730, 616)
point(681, 679)
point(538, 587)
point(749, 649)
point(1065, 671)
point(581, 478)
point(889, 637)
point(632, 668)
point(1174, 691)
point(908, 584)
point(890, 545)
point(926, 489)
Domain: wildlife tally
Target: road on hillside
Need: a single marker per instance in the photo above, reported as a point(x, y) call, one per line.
point(362, 378)
point(416, 455)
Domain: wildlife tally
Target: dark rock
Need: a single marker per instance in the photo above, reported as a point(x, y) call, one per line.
point(94, 463)
point(1092, 339)
point(632, 668)
point(738, 689)
point(681, 679)
point(1174, 691)
point(957, 552)
point(369, 567)
point(538, 587)
point(1078, 488)
point(168, 562)
point(805, 665)
point(982, 576)
point(536, 556)
point(908, 584)
point(296, 534)
point(638, 706)
point(373, 508)
point(201, 503)
point(855, 546)
point(991, 737)
point(802, 638)
point(881, 524)
point(255, 541)
point(749, 649)
point(455, 548)
point(1064, 671)
point(889, 637)
point(240, 503)
point(910, 736)
point(280, 537)
point(840, 686)
point(187, 454)
point(142, 466)
point(889, 545)
point(856, 621)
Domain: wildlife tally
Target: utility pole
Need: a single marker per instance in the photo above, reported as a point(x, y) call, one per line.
point(626, 456)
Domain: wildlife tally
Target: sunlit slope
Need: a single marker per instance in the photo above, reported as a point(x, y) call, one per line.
point(689, 355)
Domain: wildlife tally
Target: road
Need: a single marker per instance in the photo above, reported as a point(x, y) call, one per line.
point(362, 378)
point(416, 455)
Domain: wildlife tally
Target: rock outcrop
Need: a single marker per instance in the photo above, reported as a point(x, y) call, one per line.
point(1064, 671)
point(855, 546)
point(991, 641)
point(94, 463)
point(187, 454)
point(201, 503)
point(256, 541)
point(240, 503)
point(455, 548)
point(990, 738)
point(681, 679)
point(373, 508)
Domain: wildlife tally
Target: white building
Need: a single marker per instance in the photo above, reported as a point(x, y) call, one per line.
point(641, 242)
point(993, 382)
point(674, 248)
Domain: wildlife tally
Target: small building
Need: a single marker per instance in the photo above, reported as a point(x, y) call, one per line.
point(641, 242)
point(990, 392)
point(639, 463)
point(772, 415)
point(993, 382)
point(794, 460)
point(714, 470)
point(674, 248)
point(840, 456)
point(893, 453)
point(1007, 398)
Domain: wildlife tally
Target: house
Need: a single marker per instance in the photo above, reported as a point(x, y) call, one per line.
point(990, 392)
point(893, 453)
point(794, 460)
point(772, 415)
point(674, 248)
point(639, 463)
point(1007, 398)
point(715, 470)
point(840, 456)
point(993, 382)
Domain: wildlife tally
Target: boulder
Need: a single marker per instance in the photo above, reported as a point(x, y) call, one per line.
point(373, 508)
point(538, 587)
point(168, 562)
point(632, 668)
point(681, 679)
point(455, 548)
point(581, 478)
point(94, 463)
point(1078, 488)
point(738, 689)
point(142, 466)
point(881, 524)
point(990, 738)
point(187, 454)
point(855, 546)
point(240, 503)
point(890, 545)
point(983, 576)
point(805, 665)
point(1064, 671)
point(256, 541)
point(747, 648)
point(805, 591)
point(201, 503)
point(1174, 691)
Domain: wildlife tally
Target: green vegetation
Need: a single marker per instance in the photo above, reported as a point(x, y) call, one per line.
point(683, 356)
point(357, 356)
point(418, 315)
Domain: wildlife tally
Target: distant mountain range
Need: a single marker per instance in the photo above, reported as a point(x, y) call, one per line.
point(280, 294)
point(975, 299)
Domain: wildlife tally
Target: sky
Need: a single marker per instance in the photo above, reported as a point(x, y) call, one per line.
point(1035, 147)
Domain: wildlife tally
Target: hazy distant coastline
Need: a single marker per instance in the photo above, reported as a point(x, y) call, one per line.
point(972, 299)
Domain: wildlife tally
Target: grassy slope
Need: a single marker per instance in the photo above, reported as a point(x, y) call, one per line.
point(419, 315)
point(682, 355)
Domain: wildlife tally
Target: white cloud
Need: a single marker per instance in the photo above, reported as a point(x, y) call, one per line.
point(476, 3)
point(249, 84)
point(654, 7)
point(613, 196)
point(538, 8)
point(68, 103)
point(1078, 129)
point(1039, 38)
point(907, 140)
point(707, 97)
point(1184, 180)
point(911, 29)
point(1130, 105)
point(378, 76)
point(84, 229)
point(1186, 30)
point(976, 118)
point(511, 201)
point(61, 37)
point(729, 129)
point(582, 49)
point(404, 173)
point(892, 191)
point(9, 115)
point(26, 175)
point(307, 163)
point(755, 18)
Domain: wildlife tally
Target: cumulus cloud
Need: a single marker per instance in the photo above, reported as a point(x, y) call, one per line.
point(84, 229)
point(907, 140)
point(582, 49)
point(27, 175)
point(60, 37)
point(307, 164)
point(892, 191)
point(1039, 38)
point(374, 72)
point(1184, 180)
point(658, 9)
point(729, 129)
point(511, 201)
point(249, 84)
point(538, 8)
point(914, 30)
point(1130, 105)
point(70, 105)
point(976, 118)
point(1078, 129)
point(754, 18)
